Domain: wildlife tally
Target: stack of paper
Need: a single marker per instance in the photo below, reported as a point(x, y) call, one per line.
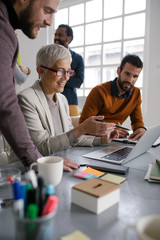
point(153, 173)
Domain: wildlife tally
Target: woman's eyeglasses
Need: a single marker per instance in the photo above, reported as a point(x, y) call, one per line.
point(60, 73)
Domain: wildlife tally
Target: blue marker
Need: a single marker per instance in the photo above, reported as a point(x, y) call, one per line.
point(50, 190)
point(18, 204)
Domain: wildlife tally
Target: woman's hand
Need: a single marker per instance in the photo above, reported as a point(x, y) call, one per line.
point(94, 126)
point(109, 137)
point(69, 165)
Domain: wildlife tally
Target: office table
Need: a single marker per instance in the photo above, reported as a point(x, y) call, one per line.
point(138, 198)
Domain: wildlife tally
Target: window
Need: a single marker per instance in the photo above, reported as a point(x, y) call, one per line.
point(104, 32)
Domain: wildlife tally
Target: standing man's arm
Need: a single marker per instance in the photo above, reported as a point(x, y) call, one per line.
point(78, 66)
point(12, 123)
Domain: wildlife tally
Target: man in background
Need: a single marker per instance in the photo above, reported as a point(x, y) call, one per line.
point(118, 99)
point(64, 36)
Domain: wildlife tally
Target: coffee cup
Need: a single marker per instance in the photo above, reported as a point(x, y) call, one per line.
point(148, 228)
point(50, 168)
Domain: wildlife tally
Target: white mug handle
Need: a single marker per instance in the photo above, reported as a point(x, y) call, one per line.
point(126, 231)
point(32, 165)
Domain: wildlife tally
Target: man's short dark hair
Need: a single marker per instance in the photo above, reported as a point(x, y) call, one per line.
point(68, 30)
point(132, 59)
point(13, 1)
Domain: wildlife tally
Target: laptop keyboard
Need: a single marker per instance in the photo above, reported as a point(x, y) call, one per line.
point(119, 154)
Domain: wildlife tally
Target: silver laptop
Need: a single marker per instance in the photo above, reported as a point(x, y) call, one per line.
point(125, 154)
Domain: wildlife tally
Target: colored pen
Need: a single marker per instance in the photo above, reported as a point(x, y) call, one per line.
point(31, 176)
point(24, 194)
point(50, 205)
point(18, 204)
point(41, 195)
point(32, 211)
point(10, 179)
point(50, 190)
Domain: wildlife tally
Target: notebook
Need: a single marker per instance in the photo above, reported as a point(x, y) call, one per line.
point(124, 154)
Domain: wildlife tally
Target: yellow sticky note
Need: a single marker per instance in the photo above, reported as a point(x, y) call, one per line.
point(113, 178)
point(93, 171)
point(75, 235)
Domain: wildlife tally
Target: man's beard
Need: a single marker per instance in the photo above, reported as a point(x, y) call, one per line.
point(121, 85)
point(60, 42)
point(26, 25)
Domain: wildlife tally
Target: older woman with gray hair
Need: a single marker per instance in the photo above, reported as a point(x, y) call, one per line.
point(46, 110)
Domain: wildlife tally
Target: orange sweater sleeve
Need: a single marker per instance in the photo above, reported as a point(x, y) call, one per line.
point(136, 115)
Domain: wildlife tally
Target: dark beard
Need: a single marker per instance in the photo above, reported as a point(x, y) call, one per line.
point(60, 42)
point(120, 83)
point(26, 25)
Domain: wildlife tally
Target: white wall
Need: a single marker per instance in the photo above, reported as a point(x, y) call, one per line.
point(151, 99)
point(151, 93)
point(29, 49)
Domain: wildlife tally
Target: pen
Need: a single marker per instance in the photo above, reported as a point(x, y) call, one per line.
point(122, 127)
point(50, 190)
point(31, 176)
point(50, 205)
point(18, 204)
point(24, 194)
point(32, 211)
point(115, 126)
point(41, 195)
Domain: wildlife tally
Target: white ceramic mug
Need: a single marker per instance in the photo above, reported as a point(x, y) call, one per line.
point(50, 168)
point(148, 228)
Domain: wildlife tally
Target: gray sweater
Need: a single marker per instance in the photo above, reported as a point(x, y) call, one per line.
point(12, 123)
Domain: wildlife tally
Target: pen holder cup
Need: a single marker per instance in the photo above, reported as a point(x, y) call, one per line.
point(41, 228)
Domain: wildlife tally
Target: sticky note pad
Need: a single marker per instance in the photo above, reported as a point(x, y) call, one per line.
point(89, 173)
point(113, 178)
point(84, 175)
point(155, 172)
point(80, 174)
point(88, 176)
point(93, 171)
point(75, 235)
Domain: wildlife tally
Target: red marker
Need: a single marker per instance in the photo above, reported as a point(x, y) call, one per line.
point(10, 179)
point(51, 204)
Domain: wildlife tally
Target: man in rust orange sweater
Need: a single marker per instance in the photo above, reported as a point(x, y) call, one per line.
point(118, 99)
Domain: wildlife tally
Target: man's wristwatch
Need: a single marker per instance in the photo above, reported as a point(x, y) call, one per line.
point(143, 127)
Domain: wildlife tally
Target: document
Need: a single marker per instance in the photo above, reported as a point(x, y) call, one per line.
point(113, 178)
point(75, 235)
